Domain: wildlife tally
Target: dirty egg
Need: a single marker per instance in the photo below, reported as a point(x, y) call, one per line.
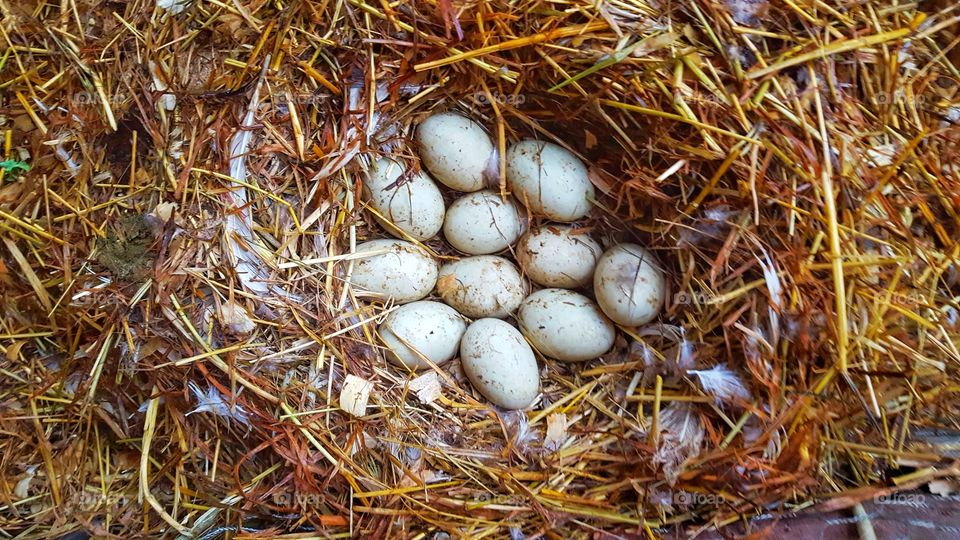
point(565, 325)
point(556, 256)
point(549, 179)
point(399, 270)
point(481, 286)
point(500, 364)
point(629, 284)
point(455, 150)
point(412, 203)
point(422, 330)
point(481, 223)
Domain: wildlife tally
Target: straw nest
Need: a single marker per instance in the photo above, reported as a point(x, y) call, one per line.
point(180, 348)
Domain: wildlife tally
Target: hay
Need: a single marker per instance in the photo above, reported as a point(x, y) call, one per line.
point(793, 164)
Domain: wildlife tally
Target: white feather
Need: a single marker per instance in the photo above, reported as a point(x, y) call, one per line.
point(722, 383)
point(680, 439)
point(213, 401)
point(242, 245)
point(775, 289)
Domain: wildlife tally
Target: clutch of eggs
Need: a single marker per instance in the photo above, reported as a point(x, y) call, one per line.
point(623, 285)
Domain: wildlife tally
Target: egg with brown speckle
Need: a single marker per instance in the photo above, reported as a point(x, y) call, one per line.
point(549, 179)
point(420, 331)
point(629, 284)
point(411, 202)
point(394, 269)
point(481, 286)
point(565, 325)
point(500, 364)
point(481, 223)
point(557, 256)
point(455, 150)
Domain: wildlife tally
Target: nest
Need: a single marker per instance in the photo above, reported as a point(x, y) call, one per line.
point(180, 194)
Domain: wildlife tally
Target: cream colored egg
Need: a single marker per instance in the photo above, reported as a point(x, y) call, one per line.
point(556, 256)
point(481, 286)
point(396, 269)
point(565, 325)
point(455, 150)
point(500, 364)
point(481, 223)
point(629, 284)
point(421, 331)
point(412, 203)
point(550, 179)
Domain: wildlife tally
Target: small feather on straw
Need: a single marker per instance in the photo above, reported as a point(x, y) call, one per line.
point(681, 439)
point(213, 401)
point(242, 243)
point(722, 383)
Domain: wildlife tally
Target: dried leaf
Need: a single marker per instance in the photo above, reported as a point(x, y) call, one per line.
point(354, 395)
point(427, 387)
point(235, 319)
point(165, 210)
point(556, 432)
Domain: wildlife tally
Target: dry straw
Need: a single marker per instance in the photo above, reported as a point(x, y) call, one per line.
point(176, 338)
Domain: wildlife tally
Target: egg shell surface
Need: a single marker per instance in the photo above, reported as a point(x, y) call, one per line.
point(481, 286)
point(549, 179)
point(481, 223)
point(412, 203)
point(422, 329)
point(500, 364)
point(565, 325)
point(455, 150)
point(629, 284)
point(556, 256)
point(403, 271)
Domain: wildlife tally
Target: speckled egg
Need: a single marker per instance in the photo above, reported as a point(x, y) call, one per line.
point(455, 150)
point(500, 364)
point(629, 284)
point(481, 223)
point(399, 270)
point(481, 286)
point(412, 203)
point(549, 179)
point(556, 256)
point(421, 331)
point(565, 325)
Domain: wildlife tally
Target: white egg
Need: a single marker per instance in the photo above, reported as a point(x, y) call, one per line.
point(419, 330)
point(403, 271)
point(549, 179)
point(481, 223)
point(565, 325)
point(481, 286)
point(500, 363)
point(629, 284)
point(556, 256)
point(455, 150)
point(415, 206)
